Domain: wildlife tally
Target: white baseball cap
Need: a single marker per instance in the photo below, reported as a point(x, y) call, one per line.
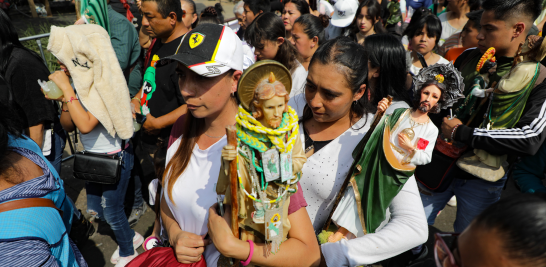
point(210, 50)
point(344, 13)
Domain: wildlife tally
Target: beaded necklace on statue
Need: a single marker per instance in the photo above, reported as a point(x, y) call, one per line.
point(265, 163)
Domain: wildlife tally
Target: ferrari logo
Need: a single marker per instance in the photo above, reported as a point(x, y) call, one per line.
point(196, 39)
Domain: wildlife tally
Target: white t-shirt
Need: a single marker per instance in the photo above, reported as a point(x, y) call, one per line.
point(323, 174)
point(194, 192)
point(299, 78)
point(415, 70)
point(248, 55)
point(447, 29)
point(99, 140)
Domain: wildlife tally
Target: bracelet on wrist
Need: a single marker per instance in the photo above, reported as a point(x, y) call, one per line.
point(70, 100)
point(453, 131)
point(247, 262)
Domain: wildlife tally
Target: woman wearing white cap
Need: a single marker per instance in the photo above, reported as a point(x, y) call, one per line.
point(344, 14)
point(210, 64)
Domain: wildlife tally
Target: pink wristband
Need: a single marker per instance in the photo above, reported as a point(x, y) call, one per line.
point(247, 262)
point(150, 242)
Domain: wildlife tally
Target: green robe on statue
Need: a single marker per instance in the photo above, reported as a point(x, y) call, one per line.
point(378, 176)
point(465, 108)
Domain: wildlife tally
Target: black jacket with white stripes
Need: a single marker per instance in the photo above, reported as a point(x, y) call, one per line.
point(524, 139)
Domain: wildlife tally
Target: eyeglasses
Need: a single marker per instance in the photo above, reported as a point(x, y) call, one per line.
point(442, 254)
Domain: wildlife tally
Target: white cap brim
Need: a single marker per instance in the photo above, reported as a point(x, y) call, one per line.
point(341, 22)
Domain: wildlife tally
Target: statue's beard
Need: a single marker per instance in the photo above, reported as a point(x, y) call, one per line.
point(274, 123)
point(424, 106)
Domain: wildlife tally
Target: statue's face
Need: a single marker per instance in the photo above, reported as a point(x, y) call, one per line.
point(272, 111)
point(430, 96)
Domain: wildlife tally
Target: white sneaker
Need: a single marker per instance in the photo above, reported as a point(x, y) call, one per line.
point(137, 242)
point(452, 202)
point(125, 260)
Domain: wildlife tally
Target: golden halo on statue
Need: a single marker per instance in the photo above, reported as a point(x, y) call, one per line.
point(256, 73)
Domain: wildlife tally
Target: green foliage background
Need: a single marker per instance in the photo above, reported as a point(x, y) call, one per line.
point(42, 28)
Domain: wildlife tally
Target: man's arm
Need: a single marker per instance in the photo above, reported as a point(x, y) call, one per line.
point(36, 133)
point(152, 123)
point(524, 139)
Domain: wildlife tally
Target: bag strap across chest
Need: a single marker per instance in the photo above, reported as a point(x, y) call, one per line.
point(29, 203)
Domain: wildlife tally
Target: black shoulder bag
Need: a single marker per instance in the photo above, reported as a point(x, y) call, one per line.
point(98, 167)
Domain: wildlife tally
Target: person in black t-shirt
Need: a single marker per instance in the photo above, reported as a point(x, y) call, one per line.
point(164, 101)
point(20, 69)
point(161, 102)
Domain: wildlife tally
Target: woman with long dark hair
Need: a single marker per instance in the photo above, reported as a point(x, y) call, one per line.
point(267, 34)
point(194, 161)
point(335, 117)
point(367, 21)
point(20, 68)
point(293, 9)
point(387, 71)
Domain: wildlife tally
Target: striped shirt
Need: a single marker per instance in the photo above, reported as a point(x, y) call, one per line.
point(29, 253)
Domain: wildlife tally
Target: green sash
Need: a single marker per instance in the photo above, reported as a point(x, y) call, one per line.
point(506, 109)
point(96, 12)
point(467, 107)
point(375, 180)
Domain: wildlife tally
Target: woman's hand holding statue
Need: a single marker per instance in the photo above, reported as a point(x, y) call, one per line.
point(222, 237)
point(229, 153)
point(383, 105)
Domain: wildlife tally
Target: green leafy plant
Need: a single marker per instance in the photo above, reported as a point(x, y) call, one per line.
point(51, 60)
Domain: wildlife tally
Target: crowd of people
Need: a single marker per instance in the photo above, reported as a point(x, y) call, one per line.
point(373, 115)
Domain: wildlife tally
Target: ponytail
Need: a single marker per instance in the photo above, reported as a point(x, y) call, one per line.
point(314, 26)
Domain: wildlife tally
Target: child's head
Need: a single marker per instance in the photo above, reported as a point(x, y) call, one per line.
point(266, 34)
point(425, 33)
point(469, 34)
point(367, 16)
point(253, 8)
